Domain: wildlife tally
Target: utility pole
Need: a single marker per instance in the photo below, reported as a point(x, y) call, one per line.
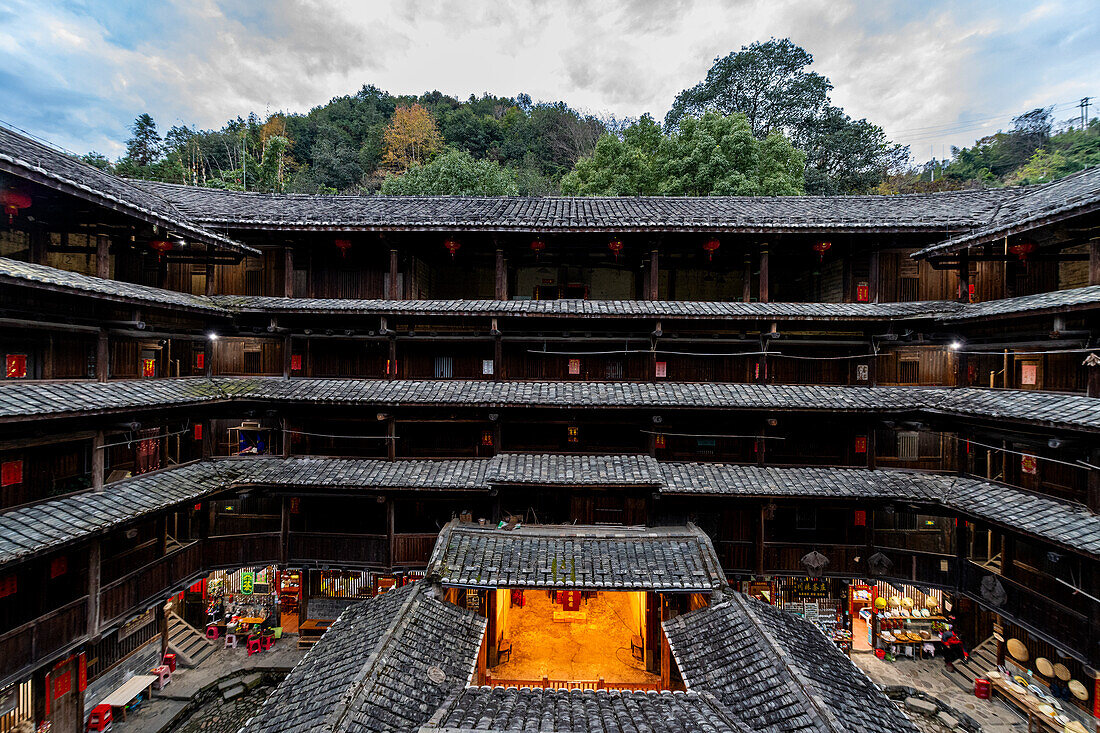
point(1084, 105)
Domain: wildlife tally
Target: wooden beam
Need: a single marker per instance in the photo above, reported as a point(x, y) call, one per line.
point(99, 460)
point(395, 292)
point(288, 271)
point(746, 279)
point(873, 277)
point(210, 290)
point(654, 275)
point(102, 357)
point(94, 575)
point(763, 289)
point(501, 291)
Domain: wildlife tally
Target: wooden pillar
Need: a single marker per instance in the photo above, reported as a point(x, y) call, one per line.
point(501, 291)
point(1094, 261)
point(395, 292)
point(963, 294)
point(209, 445)
point(746, 278)
point(102, 357)
point(208, 358)
point(39, 242)
point(391, 443)
point(288, 271)
point(654, 279)
point(1093, 499)
point(961, 455)
point(285, 423)
point(498, 352)
point(94, 574)
point(162, 623)
point(758, 549)
point(763, 289)
point(873, 277)
point(288, 353)
point(102, 256)
point(391, 512)
point(284, 533)
point(210, 290)
point(871, 462)
point(666, 652)
point(99, 460)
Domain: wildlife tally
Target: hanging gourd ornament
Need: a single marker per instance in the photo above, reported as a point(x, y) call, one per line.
point(13, 201)
point(711, 246)
point(821, 248)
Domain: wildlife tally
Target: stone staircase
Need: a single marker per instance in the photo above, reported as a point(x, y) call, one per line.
point(982, 659)
point(189, 645)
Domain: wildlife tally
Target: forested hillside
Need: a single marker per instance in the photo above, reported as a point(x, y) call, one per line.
point(761, 123)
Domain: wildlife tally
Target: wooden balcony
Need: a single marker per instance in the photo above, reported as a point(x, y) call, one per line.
point(413, 550)
point(370, 550)
point(783, 558)
point(22, 648)
point(241, 551)
point(150, 583)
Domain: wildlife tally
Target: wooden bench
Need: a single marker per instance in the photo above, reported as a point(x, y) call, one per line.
point(131, 688)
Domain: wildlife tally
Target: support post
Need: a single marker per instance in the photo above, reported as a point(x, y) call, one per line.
point(162, 622)
point(654, 279)
point(501, 292)
point(963, 295)
point(102, 256)
point(99, 460)
point(94, 574)
point(498, 352)
point(284, 533)
point(102, 357)
point(285, 423)
point(873, 277)
point(391, 535)
point(39, 242)
point(1094, 261)
point(763, 289)
point(761, 532)
point(208, 359)
point(288, 271)
point(391, 443)
point(1093, 499)
point(210, 290)
point(395, 292)
point(871, 430)
point(746, 278)
point(288, 353)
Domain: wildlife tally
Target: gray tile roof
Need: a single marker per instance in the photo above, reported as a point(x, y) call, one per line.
point(50, 524)
point(28, 530)
point(572, 470)
point(227, 306)
point(921, 212)
point(22, 400)
point(23, 273)
point(500, 709)
point(1032, 207)
point(777, 670)
point(594, 557)
point(385, 665)
point(25, 158)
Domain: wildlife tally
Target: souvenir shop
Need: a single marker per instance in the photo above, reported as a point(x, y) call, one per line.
point(905, 622)
point(239, 603)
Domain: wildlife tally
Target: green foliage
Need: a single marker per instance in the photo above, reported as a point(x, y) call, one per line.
point(455, 173)
point(771, 84)
point(712, 155)
point(97, 160)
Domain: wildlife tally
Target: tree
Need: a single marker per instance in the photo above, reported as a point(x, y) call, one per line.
point(619, 166)
point(717, 155)
point(97, 160)
point(767, 82)
point(772, 85)
point(144, 146)
point(411, 138)
point(455, 173)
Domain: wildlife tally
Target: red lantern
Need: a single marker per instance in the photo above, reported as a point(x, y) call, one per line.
point(710, 247)
point(616, 247)
point(537, 246)
point(12, 202)
point(160, 246)
point(343, 245)
point(821, 248)
point(452, 246)
point(1023, 249)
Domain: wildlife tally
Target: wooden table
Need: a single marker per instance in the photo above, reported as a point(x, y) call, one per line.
point(1028, 704)
point(311, 631)
point(131, 688)
point(252, 620)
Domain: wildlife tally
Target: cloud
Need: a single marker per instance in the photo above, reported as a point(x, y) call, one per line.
point(78, 73)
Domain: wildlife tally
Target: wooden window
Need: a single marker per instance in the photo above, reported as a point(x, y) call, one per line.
point(613, 370)
point(253, 359)
point(705, 446)
point(444, 367)
point(15, 366)
point(908, 370)
point(908, 289)
point(805, 518)
point(908, 446)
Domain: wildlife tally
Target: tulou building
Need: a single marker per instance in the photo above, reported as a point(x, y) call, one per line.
point(589, 464)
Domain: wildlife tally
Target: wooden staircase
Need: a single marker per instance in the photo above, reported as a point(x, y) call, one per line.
point(190, 647)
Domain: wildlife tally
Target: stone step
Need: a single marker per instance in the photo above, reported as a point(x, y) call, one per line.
point(232, 692)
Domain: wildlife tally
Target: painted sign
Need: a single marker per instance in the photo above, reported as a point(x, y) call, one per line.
point(248, 582)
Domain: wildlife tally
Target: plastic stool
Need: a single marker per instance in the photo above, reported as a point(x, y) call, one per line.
point(170, 660)
point(267, 642)
point(211, 632)
point(253, 645)
point(230, 641)
point(164, 676)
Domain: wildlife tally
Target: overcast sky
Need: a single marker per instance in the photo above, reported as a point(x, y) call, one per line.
point(933, 74)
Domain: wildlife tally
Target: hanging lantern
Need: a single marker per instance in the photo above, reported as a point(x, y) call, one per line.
point(452, 247)
point(13, 201)
point(343, 245)
point(537, 246)
point(710, 247)
point(616, 247)
point(1023, 249)
point(160, 246)
point(821, 248)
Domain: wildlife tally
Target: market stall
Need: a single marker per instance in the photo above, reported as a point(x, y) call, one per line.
point(243, 604)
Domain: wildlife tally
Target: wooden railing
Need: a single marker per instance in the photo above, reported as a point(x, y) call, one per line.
point(352, 549)
point(149, 583)
point(784, 558)
point(24, 647)
point(737, 555)
point(413, 549)
point(549, 684)
point(238, 551)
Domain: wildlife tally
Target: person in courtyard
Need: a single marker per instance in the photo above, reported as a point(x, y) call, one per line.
point(953, 650)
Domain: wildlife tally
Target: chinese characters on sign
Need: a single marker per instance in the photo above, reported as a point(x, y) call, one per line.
point(808, 588)
point(248, 581)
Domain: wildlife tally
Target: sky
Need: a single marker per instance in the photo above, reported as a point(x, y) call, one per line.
point(932, 73)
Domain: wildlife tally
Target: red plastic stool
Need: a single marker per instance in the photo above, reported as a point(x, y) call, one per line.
point(253, 645)
point(170, 661)
point(100, 719)
point(267, 642)
point(211, 632)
